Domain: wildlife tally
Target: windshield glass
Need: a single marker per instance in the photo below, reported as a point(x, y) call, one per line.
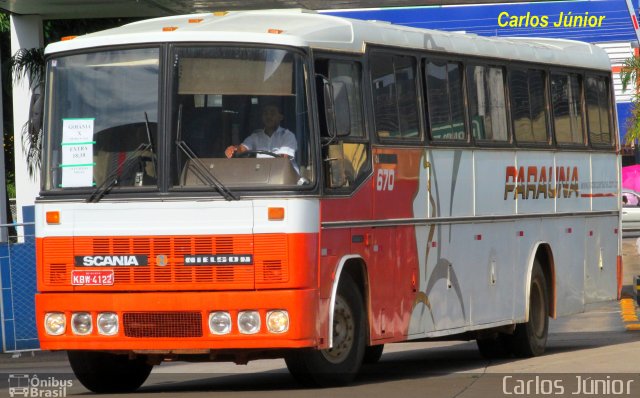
point(101, 118)
point(239, 115)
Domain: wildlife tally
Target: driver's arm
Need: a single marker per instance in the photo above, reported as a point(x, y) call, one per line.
point(235, 148)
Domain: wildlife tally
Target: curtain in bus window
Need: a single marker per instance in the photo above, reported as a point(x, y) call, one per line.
point(445, 100)
point(487, 103)
point(395, 98)
point(567, 110)
point(528, 105)
point(597, 95)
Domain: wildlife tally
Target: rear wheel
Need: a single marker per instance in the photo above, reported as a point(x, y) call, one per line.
point(102, 372)
point(530, 338)
point(339, 364)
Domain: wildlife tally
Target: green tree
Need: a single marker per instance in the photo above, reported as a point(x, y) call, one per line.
point(629, 74)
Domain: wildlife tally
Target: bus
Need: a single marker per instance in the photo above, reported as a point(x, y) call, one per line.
point(431, 185)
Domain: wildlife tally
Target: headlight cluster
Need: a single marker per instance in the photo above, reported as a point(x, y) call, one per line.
point(82, 323)
point(248, 322)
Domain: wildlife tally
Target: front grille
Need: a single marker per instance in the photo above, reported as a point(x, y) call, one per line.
point(162, 324)
point(270, 255)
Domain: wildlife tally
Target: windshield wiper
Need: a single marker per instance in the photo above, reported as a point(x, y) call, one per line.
point(153, 158)
point(201, 170)
point(112, 179)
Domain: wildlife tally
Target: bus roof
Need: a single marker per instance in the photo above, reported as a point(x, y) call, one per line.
point(303, 28)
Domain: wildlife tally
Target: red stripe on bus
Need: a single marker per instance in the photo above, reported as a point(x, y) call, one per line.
point(597, 195)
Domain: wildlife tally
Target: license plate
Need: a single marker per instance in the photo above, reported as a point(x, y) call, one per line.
point(92, 278)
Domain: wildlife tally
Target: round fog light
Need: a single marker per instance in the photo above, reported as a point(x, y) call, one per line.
point(55, 323)
point(277, 321)
point(81, 323)
point(108, 323)
point(249, 322)
point(220, 322)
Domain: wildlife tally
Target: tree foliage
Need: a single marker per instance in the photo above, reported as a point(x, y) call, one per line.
point(629, 74)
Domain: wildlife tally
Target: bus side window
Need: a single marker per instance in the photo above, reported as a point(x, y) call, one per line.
point(346, 159)
point(395, 98)
point(598, 110)
point(445, 100)
point(528, 105)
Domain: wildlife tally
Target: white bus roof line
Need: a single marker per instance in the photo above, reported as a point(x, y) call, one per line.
point(303, 28)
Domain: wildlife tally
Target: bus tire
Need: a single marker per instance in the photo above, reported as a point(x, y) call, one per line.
point(340, 364)
point(530, 338)
point(373, 353)
point(102, 372)
point(494, 347)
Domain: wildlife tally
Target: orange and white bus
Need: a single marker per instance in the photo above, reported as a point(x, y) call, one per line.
point(434, 185)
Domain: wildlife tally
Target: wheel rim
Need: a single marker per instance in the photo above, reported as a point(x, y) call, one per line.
point(537, 312)
point(343, 332)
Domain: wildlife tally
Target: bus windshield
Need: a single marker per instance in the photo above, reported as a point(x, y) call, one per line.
point(237, 119)
point(102, 113)
point(239, 116)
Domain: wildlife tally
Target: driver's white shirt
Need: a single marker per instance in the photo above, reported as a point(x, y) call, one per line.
point(281, 142)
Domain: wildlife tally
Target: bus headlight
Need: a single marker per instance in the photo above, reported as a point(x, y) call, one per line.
point(81, 323)
point(249, 322)
point(55, 323)
point(108, 323)
point(278, 321)
point(220, 322)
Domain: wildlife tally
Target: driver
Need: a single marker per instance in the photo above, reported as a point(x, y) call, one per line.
point(272, 138)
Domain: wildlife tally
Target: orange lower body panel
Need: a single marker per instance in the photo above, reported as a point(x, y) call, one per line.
point(179, 320)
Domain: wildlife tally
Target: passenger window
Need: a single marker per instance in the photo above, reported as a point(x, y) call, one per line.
point(598, 111)
point(395, 98)
point(567, 108)
point(528, 105)
point(487, 105)
point(445, 100)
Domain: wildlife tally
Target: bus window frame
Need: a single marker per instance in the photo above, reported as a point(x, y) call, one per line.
point(583, 109)
point(417, 56)
point(367, 118)
point(453, 58)
point(307, 57)
point(615, 134)
point(549, 143)
point(487, 63)
point(125, 192)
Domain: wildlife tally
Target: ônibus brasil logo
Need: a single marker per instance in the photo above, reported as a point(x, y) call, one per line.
point(31, 386)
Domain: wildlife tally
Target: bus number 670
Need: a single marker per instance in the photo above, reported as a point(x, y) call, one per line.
point(385, 179)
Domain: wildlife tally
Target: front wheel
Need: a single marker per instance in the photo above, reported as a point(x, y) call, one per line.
point(530, 338)
point(339, 364)
point(102, 372)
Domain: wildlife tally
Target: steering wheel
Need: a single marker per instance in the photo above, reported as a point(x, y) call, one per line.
point(253, 153)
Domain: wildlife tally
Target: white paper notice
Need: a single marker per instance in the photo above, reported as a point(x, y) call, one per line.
point(81, 176)
point(77, 131)
point(77, 152)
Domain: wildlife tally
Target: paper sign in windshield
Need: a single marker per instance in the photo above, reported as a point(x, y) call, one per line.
point(77, 152)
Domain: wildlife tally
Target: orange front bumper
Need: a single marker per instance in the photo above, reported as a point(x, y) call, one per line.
point(150, 310)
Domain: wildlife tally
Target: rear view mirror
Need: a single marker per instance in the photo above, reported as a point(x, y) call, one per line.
point(336, 107)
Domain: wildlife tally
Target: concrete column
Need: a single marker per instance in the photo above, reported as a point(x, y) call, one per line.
point(26, 32)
